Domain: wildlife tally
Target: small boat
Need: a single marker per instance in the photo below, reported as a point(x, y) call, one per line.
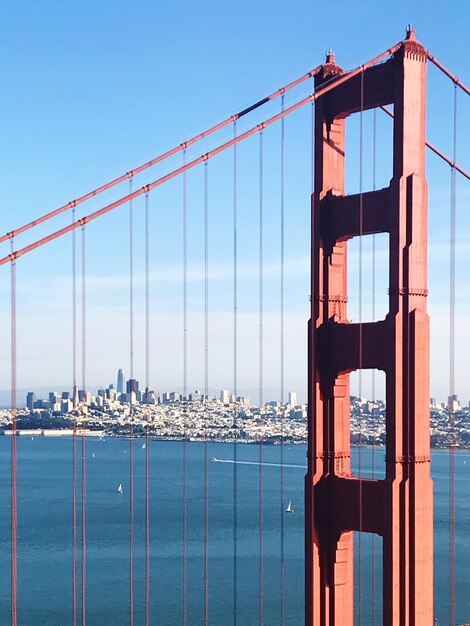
point(289, 507)
point(120, 489)
point(93, 455)
point(143, 446)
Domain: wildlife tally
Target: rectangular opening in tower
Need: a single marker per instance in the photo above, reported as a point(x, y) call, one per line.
point(369, 151)
point(368, 278)
point(367, 423)
point(368, 578)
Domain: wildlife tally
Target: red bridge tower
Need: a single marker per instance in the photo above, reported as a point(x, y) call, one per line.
point(398, 508)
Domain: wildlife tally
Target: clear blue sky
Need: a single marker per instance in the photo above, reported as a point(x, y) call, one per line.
point(91, 89)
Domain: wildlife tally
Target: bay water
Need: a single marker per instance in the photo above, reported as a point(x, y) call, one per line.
point(45, 533)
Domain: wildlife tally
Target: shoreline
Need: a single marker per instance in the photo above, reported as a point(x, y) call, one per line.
point(101, 434)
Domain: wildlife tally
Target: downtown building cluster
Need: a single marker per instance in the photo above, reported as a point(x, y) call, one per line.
point(197, 416)
point(170, 415)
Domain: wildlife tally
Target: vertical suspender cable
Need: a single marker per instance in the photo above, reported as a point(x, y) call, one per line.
point(261, 383)
point(131, 408)
point(74, 435)
point(206, 392)
point(309, 511)
point(83, 425)
point(312, 147)
point(235, 378)
point(361, 140)
point(14, 573)
point(185, 392)
point(452, 378)
point(147, 402)
point(282, 364)
point(374, 410)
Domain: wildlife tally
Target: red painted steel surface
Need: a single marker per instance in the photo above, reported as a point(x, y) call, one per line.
point(398, 508)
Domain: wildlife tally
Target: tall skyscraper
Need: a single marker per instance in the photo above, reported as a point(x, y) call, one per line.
point(132, 385)
point(120, 382)
point(30, 400)
point(293, 398)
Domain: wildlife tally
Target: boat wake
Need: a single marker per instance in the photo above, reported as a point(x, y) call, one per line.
point(233, 462)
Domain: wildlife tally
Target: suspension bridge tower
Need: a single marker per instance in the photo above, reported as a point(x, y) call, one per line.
point(398, 508)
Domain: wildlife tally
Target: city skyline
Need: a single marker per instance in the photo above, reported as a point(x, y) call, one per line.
point(226, 395)
point(220, 417)
point(371, 386)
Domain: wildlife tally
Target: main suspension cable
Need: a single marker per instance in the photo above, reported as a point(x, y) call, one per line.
point(201, 159)
point(457, 82)
point(158, 159)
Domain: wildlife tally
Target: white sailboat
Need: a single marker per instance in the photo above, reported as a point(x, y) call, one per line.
point(120, 489)
point(289, 507)
point(143, 446)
